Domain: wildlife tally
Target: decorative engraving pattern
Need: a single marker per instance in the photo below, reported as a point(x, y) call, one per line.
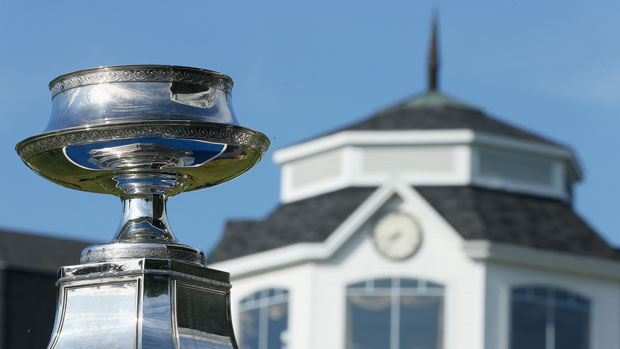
point(140, 74)
point(210, 132)
point(190, 277)
point(142, 252)
point(112, 274)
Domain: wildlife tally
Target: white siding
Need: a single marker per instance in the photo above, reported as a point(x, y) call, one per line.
point(425, 157)
point(317, 289)
point(408, 159)
point(316, 168)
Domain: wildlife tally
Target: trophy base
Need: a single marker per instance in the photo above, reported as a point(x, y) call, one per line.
point(142, 303)
point(126, 250)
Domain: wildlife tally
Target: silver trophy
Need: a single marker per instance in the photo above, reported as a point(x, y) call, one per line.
point(143, 133)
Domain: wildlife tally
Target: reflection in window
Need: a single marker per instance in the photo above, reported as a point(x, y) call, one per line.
point(394, 313)
point(264, 320)
point(549, 318)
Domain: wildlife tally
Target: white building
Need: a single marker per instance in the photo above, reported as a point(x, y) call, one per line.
point(428, 225)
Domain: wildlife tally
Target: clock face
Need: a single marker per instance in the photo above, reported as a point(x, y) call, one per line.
point(397, 235)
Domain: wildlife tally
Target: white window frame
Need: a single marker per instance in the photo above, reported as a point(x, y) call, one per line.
point(424, 288)
point(261, 300)
point(550, 304)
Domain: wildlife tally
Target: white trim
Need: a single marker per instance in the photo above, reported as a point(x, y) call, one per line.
point(484, 250)
point(371, 138)
point(464, 163)
point(314, 189)
point(457, 172)
point(532, 147)
point(458, 136)
point(304, 252)
point(463, 146)
point(553, 184)
point(480, 250)
point(351, 163)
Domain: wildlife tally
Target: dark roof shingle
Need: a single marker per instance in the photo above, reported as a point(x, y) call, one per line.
point(475, 213)
point(436, 111)
point(36, 252)
point(309, 220)
point(519, 219)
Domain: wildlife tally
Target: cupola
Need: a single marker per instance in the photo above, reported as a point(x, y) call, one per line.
point(430, 139)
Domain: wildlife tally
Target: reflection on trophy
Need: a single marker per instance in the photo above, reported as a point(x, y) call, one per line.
point(143, 133)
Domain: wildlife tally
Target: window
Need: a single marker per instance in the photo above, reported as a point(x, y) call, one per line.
point(394, 313)
point(549, 318)
point(264, 320)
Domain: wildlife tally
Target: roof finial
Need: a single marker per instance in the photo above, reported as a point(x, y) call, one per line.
point(433, 57)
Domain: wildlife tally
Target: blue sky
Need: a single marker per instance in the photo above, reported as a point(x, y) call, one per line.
point(301, 69)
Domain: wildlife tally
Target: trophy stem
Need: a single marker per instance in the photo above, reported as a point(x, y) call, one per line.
point(144, 233)
point(144, 220)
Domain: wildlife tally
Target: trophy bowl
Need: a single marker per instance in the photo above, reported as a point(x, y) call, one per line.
point(143, 133)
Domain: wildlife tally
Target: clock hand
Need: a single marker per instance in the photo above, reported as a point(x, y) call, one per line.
point(395, 236)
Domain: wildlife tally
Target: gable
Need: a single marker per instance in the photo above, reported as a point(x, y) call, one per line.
point(475, 213)
point(394, 227)
point(326, 221)
point(309, 220)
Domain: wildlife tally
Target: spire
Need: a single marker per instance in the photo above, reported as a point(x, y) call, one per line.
point(433, 57)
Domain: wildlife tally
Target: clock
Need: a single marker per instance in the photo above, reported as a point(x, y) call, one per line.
point(397, 235)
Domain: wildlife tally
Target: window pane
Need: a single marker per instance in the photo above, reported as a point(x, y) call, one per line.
point(383, 283)
point(571, 328)
point(420, 322)
point(368, 323)
point(541, 294)
point(249, 329)
point(278, 321)
point(528, 325)
point(408, 283)
point(433, 285)
point(264, 319)
point(358, 285)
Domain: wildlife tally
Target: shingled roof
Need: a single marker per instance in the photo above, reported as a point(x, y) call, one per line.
point(309, 220)
point(475, 213)
point(433, 110)
point(36, 252)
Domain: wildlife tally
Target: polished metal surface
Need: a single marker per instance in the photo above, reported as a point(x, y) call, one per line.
point(117, 251)
point(144, 220)
point(142, 303)
point(121, 94)
point(135, 131)
point(143, 133)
